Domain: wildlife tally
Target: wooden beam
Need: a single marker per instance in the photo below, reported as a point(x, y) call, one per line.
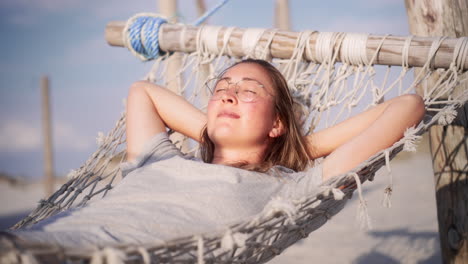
point(449, 144)
point(285, 41)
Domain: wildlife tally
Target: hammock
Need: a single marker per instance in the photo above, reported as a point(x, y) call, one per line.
point(331, 75)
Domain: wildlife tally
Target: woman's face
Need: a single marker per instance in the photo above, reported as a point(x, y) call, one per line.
point(235, 123)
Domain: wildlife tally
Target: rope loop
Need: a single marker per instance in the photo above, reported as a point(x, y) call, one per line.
point(141, 35)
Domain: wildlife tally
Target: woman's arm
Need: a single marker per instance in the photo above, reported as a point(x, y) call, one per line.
point(151, 108)
point(354, 140)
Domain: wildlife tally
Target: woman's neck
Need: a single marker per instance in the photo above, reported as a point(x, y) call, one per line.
point(228, 156)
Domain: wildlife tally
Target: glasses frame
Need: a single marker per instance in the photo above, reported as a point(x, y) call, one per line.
point(212, 83)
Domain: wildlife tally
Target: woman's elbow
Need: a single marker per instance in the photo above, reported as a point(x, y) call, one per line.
point(415, 107)
point(139, 86)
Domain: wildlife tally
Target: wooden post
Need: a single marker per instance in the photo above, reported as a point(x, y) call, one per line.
point(203, 69)
point(47, 132)
point(168, 8)
point(282, 20)
point(449, 144)
point(201, 7)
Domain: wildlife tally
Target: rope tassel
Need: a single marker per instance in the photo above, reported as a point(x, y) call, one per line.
point(362, 214)
point(386, 201)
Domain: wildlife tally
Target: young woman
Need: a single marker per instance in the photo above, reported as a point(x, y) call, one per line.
point(251, 148)
point(250, 123)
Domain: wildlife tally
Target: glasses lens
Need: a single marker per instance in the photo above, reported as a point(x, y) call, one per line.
point(250, 90)
point(217, 87)
point(246, 90)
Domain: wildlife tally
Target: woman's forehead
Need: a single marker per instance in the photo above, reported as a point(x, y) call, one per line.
point(250, 71)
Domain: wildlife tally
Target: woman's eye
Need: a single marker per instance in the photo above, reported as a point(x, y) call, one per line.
point(249, 91)
point(220, 90)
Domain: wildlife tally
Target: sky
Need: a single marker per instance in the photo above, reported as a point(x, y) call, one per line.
point(64, 39)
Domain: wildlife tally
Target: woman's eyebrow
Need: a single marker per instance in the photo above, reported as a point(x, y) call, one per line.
point(252, 79)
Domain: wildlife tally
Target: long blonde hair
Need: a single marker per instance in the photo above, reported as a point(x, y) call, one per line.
point(290, 149)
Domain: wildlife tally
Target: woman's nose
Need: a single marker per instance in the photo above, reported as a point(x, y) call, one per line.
point(229, 96)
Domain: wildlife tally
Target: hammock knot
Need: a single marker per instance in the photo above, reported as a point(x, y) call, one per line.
point(141, 35)
point(353, 103)
point(337, 194)
point(410, 139)
point(275, 250)
point(303, 233)
point(72, 174)
point(446, 116)
point(100, 139)
point(230, 241)
point(280, 205)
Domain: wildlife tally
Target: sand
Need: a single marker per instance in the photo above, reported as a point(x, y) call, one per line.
point(405, 233)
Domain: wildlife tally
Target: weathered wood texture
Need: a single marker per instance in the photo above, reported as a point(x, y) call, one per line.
point(449, 145)
point(171, 36)
point(47, 135)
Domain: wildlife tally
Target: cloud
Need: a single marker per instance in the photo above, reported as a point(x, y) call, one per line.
point(68, 137)
point(20, 135)
point(17, 135)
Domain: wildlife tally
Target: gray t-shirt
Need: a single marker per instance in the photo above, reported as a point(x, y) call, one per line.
point(165, 195)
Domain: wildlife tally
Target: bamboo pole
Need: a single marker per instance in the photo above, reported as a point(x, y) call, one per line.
point(449, 144)
point(47, 133)
point(284, 42)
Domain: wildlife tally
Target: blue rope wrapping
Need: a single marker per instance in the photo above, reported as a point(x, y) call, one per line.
point(142, 33)
point(209, 13)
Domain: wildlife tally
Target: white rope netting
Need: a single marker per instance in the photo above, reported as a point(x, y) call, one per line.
point(330, 83)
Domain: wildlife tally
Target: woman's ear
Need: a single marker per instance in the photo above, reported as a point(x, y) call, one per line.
point(277, 129)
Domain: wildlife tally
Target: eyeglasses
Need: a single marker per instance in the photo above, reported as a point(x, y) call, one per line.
point(246, 90)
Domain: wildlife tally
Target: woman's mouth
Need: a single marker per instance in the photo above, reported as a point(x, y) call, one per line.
point(228, 114)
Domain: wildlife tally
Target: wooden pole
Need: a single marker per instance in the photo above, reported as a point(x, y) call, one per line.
point(168, 8)
point(201, 7)
point(282, 20)
point(47, 132)
point(203, 69)
point(449, 144)
point(285, 41)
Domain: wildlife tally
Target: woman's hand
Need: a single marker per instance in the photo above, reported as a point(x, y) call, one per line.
point(152, 108)
point(354, 140)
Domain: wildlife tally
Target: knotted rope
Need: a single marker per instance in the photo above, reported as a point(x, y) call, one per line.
point(141, 32)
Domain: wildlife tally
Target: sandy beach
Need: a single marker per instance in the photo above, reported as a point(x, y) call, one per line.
point(405, 233)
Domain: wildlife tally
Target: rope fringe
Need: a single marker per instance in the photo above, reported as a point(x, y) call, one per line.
point(362, 213)
point(200, 249)
point(231, 241)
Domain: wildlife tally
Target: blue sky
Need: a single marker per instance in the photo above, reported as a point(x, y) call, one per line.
point(65, 40)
